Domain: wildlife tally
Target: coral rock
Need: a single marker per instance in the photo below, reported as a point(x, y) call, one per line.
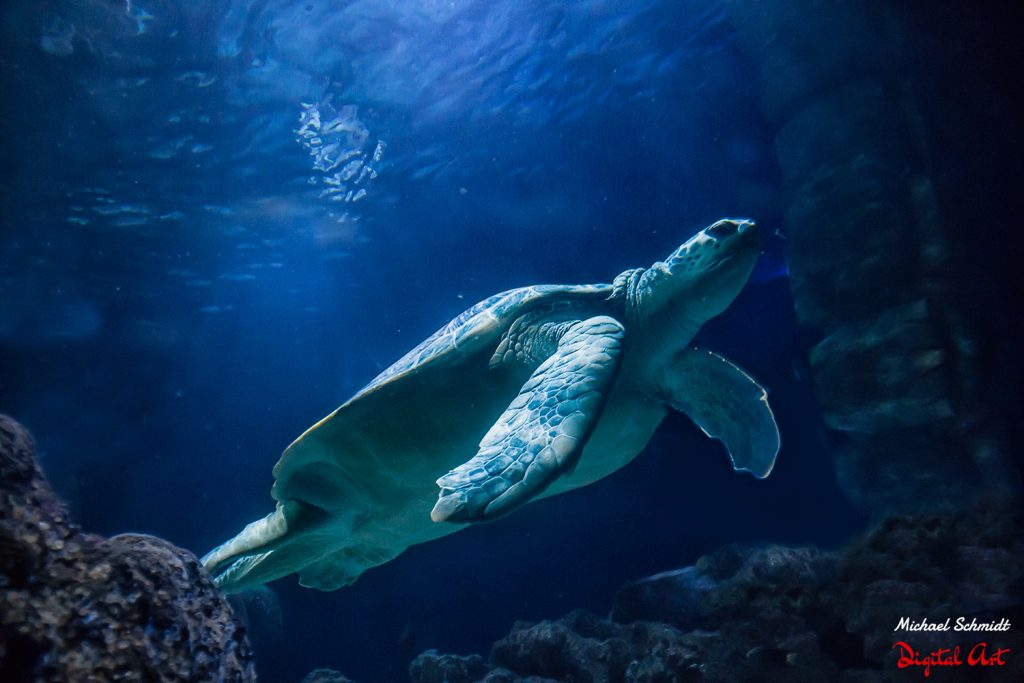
point(434, 667)
point(79, 607)
point(326, 676)
point(791, 615)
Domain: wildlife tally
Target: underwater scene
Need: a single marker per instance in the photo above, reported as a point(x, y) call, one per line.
point(465, 340)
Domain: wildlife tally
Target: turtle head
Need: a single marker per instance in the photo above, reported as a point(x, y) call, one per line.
point(695, 283)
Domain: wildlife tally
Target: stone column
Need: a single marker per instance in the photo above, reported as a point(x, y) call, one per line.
point(892, 361)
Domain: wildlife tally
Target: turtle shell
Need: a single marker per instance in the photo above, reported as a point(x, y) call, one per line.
point(393, 437)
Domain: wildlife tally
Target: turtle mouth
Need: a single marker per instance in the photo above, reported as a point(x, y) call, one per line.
point(721, 261)
point(744, 250)
point(742, 241)
point(736, 258)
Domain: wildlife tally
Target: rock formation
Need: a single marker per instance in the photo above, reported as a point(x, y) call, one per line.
point(893, 358)
point(784, 614)
point(78, 607)
point(325, 676)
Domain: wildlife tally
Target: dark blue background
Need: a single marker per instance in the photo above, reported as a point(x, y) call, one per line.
point(179, 303)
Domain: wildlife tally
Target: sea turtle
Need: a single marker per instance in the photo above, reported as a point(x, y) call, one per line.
point(530, 393)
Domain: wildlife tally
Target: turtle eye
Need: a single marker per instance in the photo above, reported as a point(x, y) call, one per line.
point(722, 229)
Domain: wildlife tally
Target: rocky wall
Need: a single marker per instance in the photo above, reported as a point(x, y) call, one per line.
point(892, 359)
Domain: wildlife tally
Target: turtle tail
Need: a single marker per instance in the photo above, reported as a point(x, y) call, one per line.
point(266, 549)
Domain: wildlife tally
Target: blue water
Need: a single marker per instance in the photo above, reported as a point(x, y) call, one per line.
point(223, 218)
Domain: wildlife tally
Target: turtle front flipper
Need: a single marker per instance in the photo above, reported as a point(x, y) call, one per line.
point(543, 431)
point(727, 404)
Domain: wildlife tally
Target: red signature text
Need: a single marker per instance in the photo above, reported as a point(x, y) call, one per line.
point(979, 655)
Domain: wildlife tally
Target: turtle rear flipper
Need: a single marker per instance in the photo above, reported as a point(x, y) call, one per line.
point(342, 567)
point(279, 544)
point(543, 431)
